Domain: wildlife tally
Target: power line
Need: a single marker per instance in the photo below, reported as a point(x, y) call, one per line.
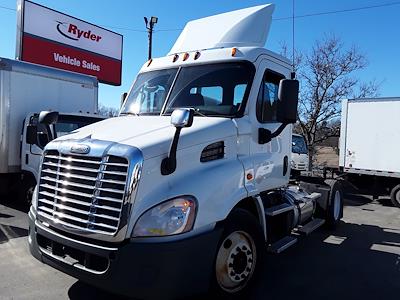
point(8, 8)
point(339, 11)
point(274, 19)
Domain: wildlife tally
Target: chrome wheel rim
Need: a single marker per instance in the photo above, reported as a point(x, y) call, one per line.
point(236, 261)
point(336, 206)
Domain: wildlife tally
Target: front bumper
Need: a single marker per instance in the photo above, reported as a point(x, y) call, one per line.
point(149, 268)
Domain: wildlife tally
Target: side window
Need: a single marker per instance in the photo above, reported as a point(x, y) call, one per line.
point(212, 94)
point(238, 93)
point(267, 99)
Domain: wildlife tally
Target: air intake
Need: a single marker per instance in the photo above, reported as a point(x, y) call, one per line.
point(213, 151)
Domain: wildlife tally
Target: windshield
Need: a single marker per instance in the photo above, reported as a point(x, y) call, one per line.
point(66, 124)
point(299, 145)
point(212, 90)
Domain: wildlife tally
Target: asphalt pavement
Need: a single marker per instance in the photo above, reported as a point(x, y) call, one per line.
point(359, 260)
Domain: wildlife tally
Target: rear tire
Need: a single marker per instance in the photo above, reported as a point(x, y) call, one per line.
point(335, 208)
point(395, 196)
point(240, 255)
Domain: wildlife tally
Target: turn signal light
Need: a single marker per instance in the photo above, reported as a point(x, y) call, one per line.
point(197, 55)
point(233, 53)
point(185, 56)
point(176, 56)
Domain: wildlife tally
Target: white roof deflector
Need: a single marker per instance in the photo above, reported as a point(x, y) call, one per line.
point(247, 27)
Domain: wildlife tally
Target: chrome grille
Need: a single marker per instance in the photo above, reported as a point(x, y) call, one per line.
point(85, 193)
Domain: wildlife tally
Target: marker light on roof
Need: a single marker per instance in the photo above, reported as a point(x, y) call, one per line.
point(175, 58)
point(233, 53)
point(197, 55)
point(185, 56)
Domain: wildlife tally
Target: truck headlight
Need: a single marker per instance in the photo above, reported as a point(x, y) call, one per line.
point(292, 164)
point(168, 218)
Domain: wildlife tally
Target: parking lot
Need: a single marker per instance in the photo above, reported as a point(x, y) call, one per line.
point(360, 260)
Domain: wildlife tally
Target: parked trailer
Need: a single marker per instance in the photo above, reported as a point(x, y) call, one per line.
point(25, 90)
point(185, 190)
point(369, 145)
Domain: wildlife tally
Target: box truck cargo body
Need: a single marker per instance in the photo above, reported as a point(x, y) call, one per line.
point(27, 89)
point(370, 143)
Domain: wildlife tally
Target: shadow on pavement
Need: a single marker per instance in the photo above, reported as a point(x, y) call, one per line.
point(82, 291)
point(8, 232)
point(5, 216)
point(353, 262)
point(385, 201)
point(13, 203)
point(356, 199)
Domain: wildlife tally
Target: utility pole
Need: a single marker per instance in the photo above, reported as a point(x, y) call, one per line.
point(149, 27)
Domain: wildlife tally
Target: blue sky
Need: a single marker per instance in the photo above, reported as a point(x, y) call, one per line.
point(373, 31)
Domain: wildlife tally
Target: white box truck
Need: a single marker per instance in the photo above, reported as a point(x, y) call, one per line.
point(299, 160)
point(25, 90)
point(369, 145)
point(188, 187)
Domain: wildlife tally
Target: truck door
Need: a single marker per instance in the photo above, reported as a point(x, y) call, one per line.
point(31, 153)
point(270, 160)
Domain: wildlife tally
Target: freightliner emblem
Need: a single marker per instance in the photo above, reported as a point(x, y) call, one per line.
point(80, 148)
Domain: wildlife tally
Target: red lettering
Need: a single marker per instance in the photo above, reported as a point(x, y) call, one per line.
point(81, 33)
point(72, 28)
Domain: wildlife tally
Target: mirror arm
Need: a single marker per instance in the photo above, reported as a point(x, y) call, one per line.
point(279, 130)
point(168, 164)
point(265, 135)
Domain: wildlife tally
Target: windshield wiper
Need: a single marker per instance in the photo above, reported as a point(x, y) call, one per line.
point(128, 114)
point(197, 112)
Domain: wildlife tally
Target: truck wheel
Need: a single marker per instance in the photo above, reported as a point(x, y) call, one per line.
point(395, 195)
point(240, 254)
point(25, 191)
point(335, 208)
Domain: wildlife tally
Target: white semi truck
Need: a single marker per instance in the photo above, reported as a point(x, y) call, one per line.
point(369, 145)
point(189, 186)
point(25, 90)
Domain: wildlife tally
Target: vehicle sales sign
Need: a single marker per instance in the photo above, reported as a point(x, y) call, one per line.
point(51, 38)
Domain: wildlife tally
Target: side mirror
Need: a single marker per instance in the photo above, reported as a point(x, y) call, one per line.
point(31, 134)
point(48, 117)
point(182, 117)
point(43, 139)
point(288, 95)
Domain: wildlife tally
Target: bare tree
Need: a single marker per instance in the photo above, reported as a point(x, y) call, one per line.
point(326, 77)
point(108, 111)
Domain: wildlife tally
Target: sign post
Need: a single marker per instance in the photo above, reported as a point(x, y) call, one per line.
point(51, 38)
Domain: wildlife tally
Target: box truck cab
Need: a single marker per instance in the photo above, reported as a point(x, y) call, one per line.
point(186, 189)
point(25, 90)
point(36, 135)
point(299, 159)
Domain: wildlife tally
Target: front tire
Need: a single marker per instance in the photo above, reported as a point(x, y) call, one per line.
point(395, 196)
point(25, 191)
point(240, 254)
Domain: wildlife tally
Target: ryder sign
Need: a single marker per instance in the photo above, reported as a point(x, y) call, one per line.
point(50, 38)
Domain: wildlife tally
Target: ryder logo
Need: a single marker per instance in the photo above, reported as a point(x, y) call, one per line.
point(72, 32)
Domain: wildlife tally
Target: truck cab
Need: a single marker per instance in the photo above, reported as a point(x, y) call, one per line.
point(188, 187)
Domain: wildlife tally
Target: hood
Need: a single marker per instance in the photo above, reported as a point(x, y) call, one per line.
point(153, 134)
